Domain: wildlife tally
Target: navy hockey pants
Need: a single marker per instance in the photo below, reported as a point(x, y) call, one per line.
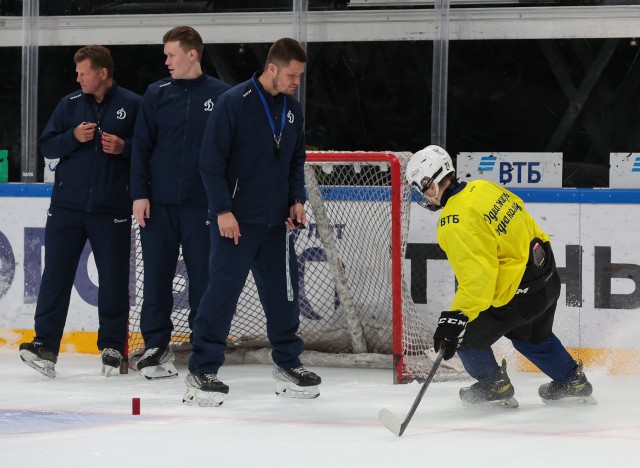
point(168, 227)
point(66, 234)
point(263, 251)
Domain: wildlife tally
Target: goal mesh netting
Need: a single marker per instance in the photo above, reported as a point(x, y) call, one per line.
point(353, 298)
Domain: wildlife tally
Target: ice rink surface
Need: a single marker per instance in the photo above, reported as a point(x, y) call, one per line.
point(82, 419)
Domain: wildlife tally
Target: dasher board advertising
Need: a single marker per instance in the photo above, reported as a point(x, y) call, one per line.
point(525, 170)
point(624, 170)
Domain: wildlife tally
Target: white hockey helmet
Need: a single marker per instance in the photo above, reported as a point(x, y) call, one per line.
point(432, 163)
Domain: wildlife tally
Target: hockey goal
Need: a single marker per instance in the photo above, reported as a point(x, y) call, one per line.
point(355, 307)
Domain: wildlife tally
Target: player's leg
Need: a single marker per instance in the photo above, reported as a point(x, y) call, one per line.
point(569, 382)
point(276, 275)
point(228, 271)
point(493, 384)
point(160, 248)
point(65, 238)
point(196, 241)
point(110, 238)
point(536, 341)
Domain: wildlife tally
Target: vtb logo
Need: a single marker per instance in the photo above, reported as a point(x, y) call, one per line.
point(487, 163)
point(519, 172)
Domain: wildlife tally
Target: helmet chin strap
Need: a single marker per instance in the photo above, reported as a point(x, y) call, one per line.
point(432, 204)
point(433, 201)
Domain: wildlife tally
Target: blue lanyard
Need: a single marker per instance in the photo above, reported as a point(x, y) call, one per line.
point(278, 138)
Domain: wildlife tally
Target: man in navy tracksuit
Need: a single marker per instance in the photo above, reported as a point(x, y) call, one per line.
point(170, 203)
point(91, 132)
point(252, 164)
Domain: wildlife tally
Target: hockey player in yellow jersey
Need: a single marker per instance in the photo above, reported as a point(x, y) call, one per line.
point(508, 284)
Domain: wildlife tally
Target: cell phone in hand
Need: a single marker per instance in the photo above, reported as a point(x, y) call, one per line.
point(298, 224)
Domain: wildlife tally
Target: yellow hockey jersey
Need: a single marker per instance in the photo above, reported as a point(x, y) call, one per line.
point(486, 232)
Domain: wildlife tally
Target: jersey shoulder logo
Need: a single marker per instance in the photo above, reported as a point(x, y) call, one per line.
point(449, 219)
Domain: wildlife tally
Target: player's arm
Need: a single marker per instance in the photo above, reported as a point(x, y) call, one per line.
point(474, 262)
point(219, 133)
point(144, 139)
point(57, 139)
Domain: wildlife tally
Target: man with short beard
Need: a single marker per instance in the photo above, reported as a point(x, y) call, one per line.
point(252, 164)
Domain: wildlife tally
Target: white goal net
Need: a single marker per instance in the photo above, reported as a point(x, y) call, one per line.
point(355, 307)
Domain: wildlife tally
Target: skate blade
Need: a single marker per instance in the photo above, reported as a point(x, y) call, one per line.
point(572, 401)
point(45, 367)
point(291, 390)
point(165, 371)
point(108, 371)
point(195, 397)
point(508, 403)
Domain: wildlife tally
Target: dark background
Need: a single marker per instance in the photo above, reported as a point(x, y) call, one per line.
point(505, 95)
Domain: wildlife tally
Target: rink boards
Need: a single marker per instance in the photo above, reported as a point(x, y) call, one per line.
point(593, 233)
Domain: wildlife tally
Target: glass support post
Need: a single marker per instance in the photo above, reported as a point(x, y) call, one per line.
point(440, 74)
point(300, 19)
point(29, 91)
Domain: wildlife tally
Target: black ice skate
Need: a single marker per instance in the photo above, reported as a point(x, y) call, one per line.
point(204, 390)
point(157, 363)
point(296, 382)
point(575, 392)
point(111, 361)
point(500, 392)
point(38, 357)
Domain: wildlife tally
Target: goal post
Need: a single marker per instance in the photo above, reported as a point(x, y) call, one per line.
point(395, 225)
point(355, 306)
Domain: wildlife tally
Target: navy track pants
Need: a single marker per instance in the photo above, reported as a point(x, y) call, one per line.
point(66, 234)
point(169, 227)
point(263, 251)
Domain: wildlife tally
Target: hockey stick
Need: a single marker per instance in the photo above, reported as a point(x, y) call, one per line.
point(392, 423)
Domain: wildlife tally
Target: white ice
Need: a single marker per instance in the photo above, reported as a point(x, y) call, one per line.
point(82, 419)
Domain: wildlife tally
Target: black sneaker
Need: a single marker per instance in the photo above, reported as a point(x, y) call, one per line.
point(206, 383)
point(36, 356)
point(578, 389)
point(296, 382)
point(204, 390)
point(500, 391)
point(111, 361)
point(157, 363)
point(296, 375)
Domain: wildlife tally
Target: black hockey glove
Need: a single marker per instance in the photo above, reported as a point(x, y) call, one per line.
point(449, 333)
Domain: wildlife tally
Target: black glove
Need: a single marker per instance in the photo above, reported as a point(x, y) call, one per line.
point(449, 333)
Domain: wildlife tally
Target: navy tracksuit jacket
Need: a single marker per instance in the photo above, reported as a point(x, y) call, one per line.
point(90, 200)
point(243, 174)
point(164, 169)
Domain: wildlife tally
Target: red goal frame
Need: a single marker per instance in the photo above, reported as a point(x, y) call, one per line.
point(400, 374)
